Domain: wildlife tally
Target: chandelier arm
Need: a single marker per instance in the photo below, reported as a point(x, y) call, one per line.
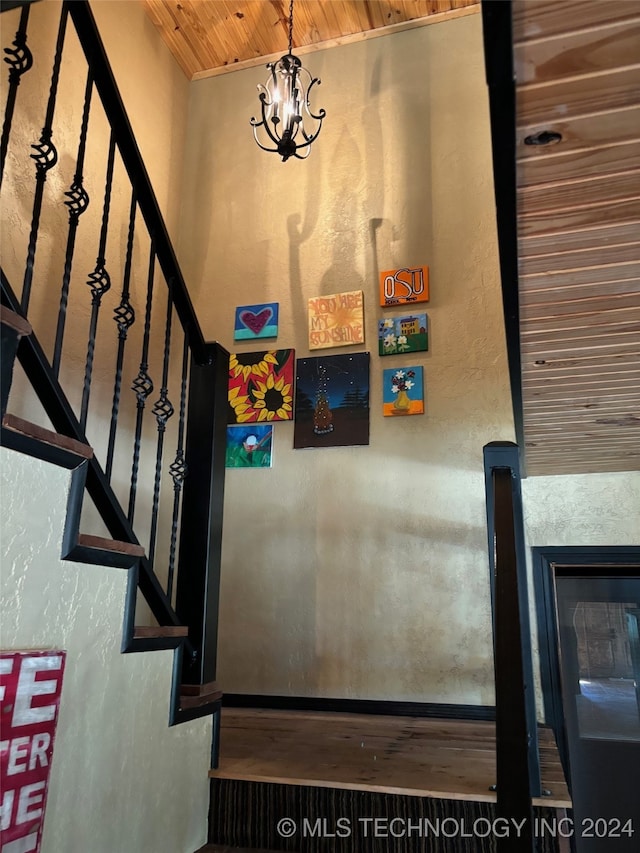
point(319, 116)
point(302, 156)
point(264, 147)
point(272, 134)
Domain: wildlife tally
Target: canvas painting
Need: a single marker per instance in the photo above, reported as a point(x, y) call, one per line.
point(332, 401)
point(249, 446)
point(403, 334)
point(402, 391)
point(261, 386)
point(256, 321)
point(336, 320)
point(404, 286)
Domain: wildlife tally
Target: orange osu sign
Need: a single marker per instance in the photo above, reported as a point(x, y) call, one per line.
point(404, 286)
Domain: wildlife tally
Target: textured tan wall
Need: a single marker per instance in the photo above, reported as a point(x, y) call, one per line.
point(587, 509)
point(360, 572)
point(121, 779)
point(155, 94)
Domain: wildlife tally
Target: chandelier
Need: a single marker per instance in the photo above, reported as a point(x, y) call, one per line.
point(288, 126)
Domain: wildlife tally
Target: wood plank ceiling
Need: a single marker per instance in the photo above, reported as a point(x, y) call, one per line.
point(209, 37)
point(577, 68)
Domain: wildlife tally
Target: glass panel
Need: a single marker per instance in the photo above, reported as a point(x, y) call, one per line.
point(608, 699)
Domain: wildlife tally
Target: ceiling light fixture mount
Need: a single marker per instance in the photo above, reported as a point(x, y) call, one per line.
point(289, 126)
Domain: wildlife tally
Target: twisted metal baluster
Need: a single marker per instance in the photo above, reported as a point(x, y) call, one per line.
point(99, 282)
point(45, 158)
point(178, 469)
point(125, 316)
point(78, 201)
point(163, 410)
point(142, 385)
point(19, 59)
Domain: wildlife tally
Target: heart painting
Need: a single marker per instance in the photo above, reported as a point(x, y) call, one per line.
point(256, 321)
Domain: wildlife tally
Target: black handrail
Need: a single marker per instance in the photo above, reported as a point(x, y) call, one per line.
point(517, 755)
point(105, 83)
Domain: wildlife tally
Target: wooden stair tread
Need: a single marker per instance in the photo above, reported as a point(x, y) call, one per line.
point(14, 321)
point(208, 693)
point(99, 542)
point(144, 631)
point(47, 436)
point(199, 689)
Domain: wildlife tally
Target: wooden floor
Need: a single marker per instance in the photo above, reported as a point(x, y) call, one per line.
point(411, 756)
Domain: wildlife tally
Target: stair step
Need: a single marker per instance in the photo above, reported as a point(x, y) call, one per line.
point(46, 436)
point(156, 638)
point(14, 321)
point(113, 545)
point(196, 695)
point(153, 631)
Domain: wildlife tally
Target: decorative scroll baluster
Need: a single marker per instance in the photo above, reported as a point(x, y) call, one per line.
point(99, 282)
point(142, 385)
point(125, 316)
point(163, 410)
point(45, 158)
point(178, 470)
point(78, 201)
point(19, 59)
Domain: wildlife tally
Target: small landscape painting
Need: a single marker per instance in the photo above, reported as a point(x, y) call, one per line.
point(249, 446)
point(402, 391)
point(261, 386)
point(256, 321)
point(403, 334)
point(332, 401)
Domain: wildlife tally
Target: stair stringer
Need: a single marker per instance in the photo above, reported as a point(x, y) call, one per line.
point(114, 750)
point(19, 435)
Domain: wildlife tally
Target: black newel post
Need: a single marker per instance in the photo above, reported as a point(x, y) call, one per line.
point(198, 576)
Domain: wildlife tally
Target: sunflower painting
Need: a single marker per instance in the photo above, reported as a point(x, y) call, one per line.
point(261, 386)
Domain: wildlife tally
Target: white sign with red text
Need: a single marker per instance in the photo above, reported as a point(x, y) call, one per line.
point(30, 688)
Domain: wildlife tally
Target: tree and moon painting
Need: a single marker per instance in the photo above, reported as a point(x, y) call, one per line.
point(332, 401)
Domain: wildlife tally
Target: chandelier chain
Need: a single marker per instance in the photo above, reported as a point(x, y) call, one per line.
point(290, 25)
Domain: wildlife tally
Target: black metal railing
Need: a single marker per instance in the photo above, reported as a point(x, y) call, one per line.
point(517, 755)
point(141, 386)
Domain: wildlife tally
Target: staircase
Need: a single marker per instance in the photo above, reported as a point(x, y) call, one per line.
point(113, 435)
point(139, 398)
point(120, 777)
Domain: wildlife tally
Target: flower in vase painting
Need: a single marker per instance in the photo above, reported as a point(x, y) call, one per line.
point(401, 381)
